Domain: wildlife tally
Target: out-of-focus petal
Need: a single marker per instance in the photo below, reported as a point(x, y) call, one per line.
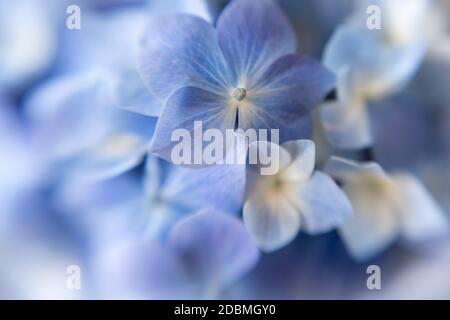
point(346, 126)
point(421, 217)
point(116, 154)
point(346, 121)
point(139, 269)
point(271, 220)
point(253, 35)
point(68, 113)
point(134, 96)
point(381, 69)
point(215, 246)
point(181, 50)
point(374, 225)
point(303, 154)
point(340, 168)
point(28, 40)
point(323, 205)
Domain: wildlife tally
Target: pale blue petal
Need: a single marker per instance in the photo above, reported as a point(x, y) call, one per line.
point(181, 50)
point(139, 269)
point(215, 246)
point(119, 150)
point(381, 69)
point(68, 113)
point(323, 205)
point(253, 35)
point(346, 126)
point(134, 96)
point(116, 154)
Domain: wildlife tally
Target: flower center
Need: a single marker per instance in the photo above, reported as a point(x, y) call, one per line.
point(239, 94)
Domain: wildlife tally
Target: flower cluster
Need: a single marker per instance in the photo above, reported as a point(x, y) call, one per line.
point(194, 149)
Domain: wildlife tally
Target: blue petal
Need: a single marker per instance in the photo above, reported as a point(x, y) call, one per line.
point(78, 125)
point(220, 186)
point(286, 93)
point(215, 246)
point(183, 108)
point(181, 50)
point(116, 154)
point(137, 269)
point(68, 113)
point(252, 35)
point(120, 149)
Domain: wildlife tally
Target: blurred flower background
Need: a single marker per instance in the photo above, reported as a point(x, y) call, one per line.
point(91, 90)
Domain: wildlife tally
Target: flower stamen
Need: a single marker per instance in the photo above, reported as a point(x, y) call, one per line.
point(239, 94)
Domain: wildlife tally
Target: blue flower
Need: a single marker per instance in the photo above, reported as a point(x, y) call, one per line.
point(172, 192)
point(245, 74)
point(203, 254)
point(278, 206)
point(113, 37)
point(83, 133)
point(125, 205)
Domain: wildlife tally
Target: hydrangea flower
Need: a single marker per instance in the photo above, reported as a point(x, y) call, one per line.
point(244, 75)
point(114, 38)
point(107, 210)
point(371, 64)
point(172, 192)
point(278, 206)
point(386, 207)
point(77, 123)
point(203, 254)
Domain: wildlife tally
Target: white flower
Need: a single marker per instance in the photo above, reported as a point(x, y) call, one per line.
point(386, 207)
point(293, 199)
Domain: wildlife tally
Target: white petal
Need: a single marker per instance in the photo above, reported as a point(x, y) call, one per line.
point(278, 158)
point(421, 216)
point(346, 121)
point(375, 223)
point(303, 153)
point(273, 223)
point(323, 205)
point(340, 168)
